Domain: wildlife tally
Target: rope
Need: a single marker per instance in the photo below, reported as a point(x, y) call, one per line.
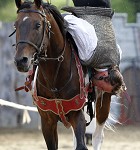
point(18, 106)
point(26, 116)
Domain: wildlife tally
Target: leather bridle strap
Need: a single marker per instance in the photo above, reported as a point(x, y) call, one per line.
point(42, 13)
point(28, 42)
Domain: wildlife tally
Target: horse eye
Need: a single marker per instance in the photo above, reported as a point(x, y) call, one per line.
point(38, 25)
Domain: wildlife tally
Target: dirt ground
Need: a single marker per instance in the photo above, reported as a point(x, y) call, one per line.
point(124, 138)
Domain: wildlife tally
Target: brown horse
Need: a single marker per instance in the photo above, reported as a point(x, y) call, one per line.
point(59, 91)
point(41, 40)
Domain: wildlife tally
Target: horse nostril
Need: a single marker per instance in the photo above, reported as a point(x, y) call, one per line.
point(24, 60)
point(21, 61)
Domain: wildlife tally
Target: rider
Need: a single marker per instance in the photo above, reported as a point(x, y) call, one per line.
point(107, 78)
point(92, 3)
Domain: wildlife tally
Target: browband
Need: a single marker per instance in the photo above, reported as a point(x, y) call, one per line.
point(32, 11)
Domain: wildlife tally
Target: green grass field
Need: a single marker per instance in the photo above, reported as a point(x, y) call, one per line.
point(8, 12)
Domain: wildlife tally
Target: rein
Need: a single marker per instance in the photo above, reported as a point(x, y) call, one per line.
point(60, 59)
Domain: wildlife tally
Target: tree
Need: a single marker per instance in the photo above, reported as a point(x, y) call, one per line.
point(136, 4)
point(3, 3)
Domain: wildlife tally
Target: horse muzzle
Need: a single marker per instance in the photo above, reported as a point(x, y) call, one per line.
point(22, 64)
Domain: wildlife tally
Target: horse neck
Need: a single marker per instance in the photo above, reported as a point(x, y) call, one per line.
point(57, 41)
point(52, 70)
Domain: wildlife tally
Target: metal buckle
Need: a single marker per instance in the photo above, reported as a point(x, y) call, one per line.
point(60, 58)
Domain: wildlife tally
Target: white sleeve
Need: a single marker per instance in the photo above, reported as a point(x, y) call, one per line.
point(84, 36)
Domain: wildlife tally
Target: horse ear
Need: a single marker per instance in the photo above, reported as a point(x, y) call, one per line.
point(38, 3)
point(18, 3)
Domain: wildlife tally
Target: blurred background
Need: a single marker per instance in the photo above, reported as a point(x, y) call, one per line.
point(126, 23)
point(131, 7)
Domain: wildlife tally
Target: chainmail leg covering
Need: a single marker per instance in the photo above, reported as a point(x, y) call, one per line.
point(106, 53)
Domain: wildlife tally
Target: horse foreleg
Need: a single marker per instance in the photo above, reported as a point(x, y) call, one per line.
point(102, 112)
point(49, 130)
point(78, 123)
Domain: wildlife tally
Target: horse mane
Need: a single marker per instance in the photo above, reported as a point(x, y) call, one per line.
point(57, 16)
point(53, 10)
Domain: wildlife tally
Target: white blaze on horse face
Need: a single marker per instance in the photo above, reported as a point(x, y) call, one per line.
point(25, 18)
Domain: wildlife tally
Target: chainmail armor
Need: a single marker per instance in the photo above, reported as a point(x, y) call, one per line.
point(106, 53)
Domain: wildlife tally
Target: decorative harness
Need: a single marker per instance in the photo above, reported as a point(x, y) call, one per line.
point(60, 107)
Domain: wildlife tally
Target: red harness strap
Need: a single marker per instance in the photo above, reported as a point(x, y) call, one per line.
point(60, 107)
point(28, 83)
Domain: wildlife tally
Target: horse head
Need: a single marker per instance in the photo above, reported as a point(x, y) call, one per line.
point(33, 29)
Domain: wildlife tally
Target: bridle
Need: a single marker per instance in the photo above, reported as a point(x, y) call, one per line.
point(38, 54)
point(45, 24)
